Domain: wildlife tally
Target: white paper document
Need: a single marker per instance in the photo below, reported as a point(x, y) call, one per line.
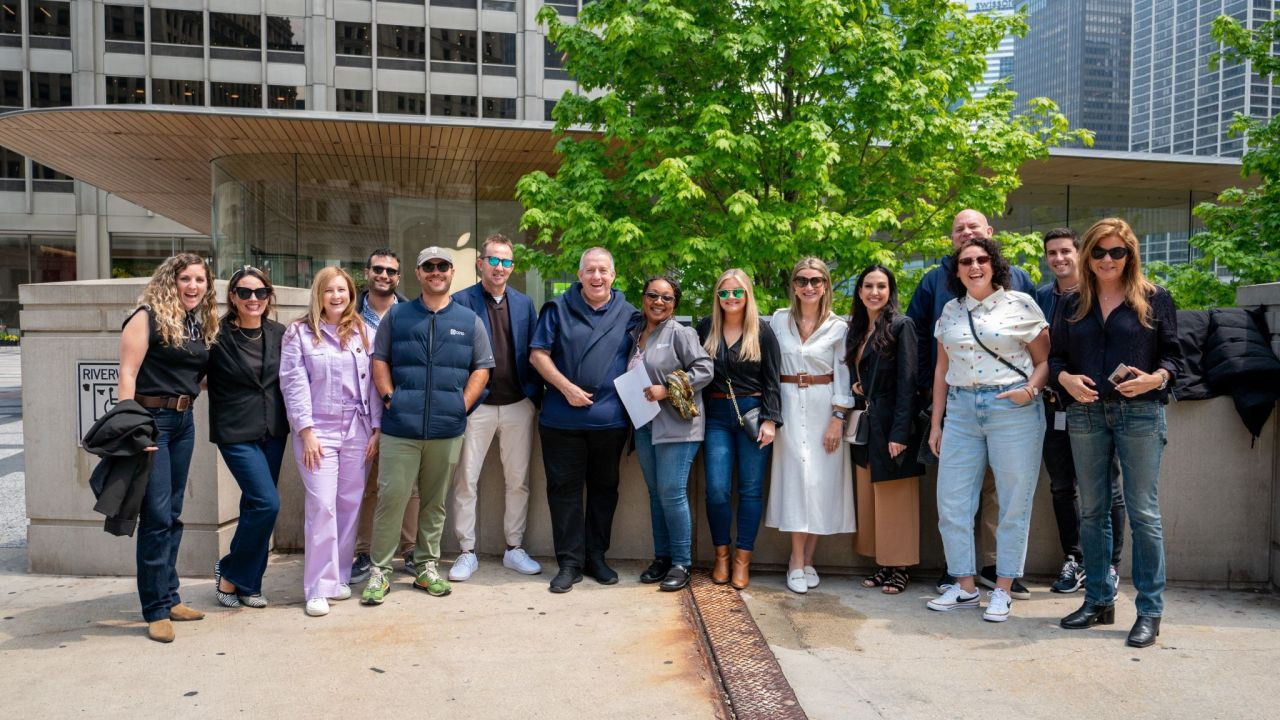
point(631, 385)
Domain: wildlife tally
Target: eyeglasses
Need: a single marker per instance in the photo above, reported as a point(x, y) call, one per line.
point(1116, 253)
point(653, 296)
point(981, 260)
point(496, 261)
point(261, 293)
point(380, 270)
point(737, 293)
point(803, 282)
point(442, 266)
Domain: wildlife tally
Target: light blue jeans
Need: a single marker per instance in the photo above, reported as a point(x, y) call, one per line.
point(666, 472)
point(981, 429)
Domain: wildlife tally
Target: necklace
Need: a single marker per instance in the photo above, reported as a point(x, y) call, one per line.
point(246, 336)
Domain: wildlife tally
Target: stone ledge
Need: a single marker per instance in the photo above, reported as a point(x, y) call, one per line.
point(1268, 294)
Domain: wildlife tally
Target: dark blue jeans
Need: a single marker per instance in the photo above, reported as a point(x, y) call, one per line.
point(666, 472)
point(727, 448)
point(159, 527)
point(256, 468)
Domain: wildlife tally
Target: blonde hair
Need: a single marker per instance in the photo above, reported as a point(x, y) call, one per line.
point(824, 305)
point(1136, 286)
point(750, 322)
point(161, 296)
point(347, 324)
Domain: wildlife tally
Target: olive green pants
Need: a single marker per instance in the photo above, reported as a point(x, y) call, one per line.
point(404, 464)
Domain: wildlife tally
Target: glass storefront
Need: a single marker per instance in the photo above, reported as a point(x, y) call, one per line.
point(31, 259)
point(138, 255)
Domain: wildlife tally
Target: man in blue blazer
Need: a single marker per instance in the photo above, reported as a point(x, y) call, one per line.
point(507, 408)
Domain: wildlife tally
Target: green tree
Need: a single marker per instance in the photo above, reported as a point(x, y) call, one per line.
point(751, 133)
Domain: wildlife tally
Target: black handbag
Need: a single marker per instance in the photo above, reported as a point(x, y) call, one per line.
point(750, 420)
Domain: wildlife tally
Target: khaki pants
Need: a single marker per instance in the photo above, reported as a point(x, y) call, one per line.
point(513, 425)
point(408, 463)
point(369, 503)
point(888, 520)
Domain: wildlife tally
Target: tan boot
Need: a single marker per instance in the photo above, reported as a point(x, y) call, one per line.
point(741, 569)
point(160, 631)
point(720, 571)
point(183, 612)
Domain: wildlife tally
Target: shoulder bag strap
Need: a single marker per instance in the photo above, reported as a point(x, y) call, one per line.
point(993, 353)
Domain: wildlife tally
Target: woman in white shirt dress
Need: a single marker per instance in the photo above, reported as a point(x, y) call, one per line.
point(811, 487)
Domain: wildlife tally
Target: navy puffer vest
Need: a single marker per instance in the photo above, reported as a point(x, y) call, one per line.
point(430, 362)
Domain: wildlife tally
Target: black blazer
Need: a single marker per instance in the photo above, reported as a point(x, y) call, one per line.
point(892, 406)
point(242, 407)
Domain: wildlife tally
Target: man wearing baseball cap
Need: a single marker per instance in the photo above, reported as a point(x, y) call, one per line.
point(431, 361)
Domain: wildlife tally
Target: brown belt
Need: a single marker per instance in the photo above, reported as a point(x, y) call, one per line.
point(181, 403)
point(805, 379)
point(725, 396)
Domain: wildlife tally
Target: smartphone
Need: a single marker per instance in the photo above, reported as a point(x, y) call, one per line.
point(1120, 374)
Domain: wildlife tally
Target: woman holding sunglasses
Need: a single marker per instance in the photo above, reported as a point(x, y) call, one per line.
point(812, 489)
point(248, 424)
point(666, 444)
point(993, 353)
point(747, 362)
point(1115, 354)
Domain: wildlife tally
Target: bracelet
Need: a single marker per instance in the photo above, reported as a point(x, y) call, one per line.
point(838, 414)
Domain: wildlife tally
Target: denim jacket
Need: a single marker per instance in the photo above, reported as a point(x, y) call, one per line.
point(313, 377)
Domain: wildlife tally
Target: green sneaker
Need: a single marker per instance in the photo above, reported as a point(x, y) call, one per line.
point(429, 579)
point(377, 588)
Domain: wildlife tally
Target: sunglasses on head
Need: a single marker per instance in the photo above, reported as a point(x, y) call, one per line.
point(261, 293)
point(981, 260)
point(1116, 253)
point(438, 266)
point(381, 270)
point(657, 296)
point(244, 270)
point(734, 293)
point(496, 261)
point(802, 282)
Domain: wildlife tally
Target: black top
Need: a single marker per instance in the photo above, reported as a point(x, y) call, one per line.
point(171, 371)
point(245, 404)
point(890, 383)
point(749, 377)
point(504, 382)
point(1094, 348)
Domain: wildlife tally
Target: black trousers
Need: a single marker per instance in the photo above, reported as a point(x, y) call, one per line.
point(579, 462)
point(1066, 505)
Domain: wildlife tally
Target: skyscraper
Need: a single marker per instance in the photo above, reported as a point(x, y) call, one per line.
point(1000, 60)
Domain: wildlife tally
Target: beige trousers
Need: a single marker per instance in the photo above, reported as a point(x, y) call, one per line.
point(513, 424)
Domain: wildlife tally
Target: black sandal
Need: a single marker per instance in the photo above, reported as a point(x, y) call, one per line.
point(877, 579)
point(897, 582)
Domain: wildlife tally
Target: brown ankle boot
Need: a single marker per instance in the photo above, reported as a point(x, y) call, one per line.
point(160, 631)
point(720, 571)
point(741, 569)
point(184, 612)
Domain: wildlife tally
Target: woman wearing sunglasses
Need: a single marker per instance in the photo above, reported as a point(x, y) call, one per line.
point(666, 444)
point(247, 422)
point(745, 383)
point(993, 352)
point(812, 489)
point(1115, 354)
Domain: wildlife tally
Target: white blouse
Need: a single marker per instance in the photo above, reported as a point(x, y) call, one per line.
point(1007, 321)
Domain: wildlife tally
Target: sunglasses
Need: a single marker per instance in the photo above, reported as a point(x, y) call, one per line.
point(1116, 253)
point(653, 296)
point(981, 260)
point(261, 293)
point(803, 282)
point(737, 293)
point(380, 270)
point(441, 266)
point(496, 261)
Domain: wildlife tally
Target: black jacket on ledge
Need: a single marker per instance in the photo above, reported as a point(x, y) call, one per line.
point(1226, 352)
point(119, 481)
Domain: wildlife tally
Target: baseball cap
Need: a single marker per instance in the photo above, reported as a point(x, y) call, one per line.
point(434, 253)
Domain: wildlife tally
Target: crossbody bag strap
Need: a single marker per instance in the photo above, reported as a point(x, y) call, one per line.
point(991, 352)
point(734, 399)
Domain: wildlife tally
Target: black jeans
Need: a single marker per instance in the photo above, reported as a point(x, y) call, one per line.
point(578, 462)
point(1066, 506)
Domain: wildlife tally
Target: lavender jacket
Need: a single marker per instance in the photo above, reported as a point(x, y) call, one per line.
point(312, 377)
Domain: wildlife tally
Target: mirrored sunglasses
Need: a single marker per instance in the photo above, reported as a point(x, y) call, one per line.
point(496, 261)
point(737, 293)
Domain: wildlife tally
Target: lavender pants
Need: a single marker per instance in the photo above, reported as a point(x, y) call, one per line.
point(332, 505)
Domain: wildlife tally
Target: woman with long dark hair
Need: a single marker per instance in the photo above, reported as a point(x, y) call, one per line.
point(881, 350)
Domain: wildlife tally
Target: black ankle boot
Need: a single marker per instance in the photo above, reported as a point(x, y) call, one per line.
point(1089, 615)
point(1144, 633)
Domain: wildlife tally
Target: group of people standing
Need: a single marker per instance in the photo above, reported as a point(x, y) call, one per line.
point(393, 401)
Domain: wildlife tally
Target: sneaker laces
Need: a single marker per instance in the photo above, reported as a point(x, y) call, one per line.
point(999, 595)
point(1069, 570)
point(429, 569)
point(375, 577)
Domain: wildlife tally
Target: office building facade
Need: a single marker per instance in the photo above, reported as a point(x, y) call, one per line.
point(1000, 60)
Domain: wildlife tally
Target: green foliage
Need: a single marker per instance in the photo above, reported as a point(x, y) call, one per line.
point(753, 133)
point(1193, 285)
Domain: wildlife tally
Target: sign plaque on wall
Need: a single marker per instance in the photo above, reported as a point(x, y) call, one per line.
point(97, 390)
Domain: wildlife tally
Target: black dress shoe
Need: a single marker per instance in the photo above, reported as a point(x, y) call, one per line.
point(656, 571)
point(564, 580)
point(1089, 615)
point(944, 582)
point(677, 579)
point(600, 570)
point(1144, 633)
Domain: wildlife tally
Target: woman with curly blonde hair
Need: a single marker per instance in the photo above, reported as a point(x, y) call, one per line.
point(164, 351)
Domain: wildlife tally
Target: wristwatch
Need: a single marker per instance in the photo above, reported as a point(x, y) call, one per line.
point(838, 414)
point(386, 399)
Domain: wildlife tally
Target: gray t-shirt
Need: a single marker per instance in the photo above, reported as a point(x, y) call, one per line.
point(481, 350)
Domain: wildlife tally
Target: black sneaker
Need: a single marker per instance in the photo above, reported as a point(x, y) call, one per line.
point(360, 568)
point(1070, 579)
point(564, 580)
point(1018, 591)
point(409, 567)
point(656, 571)
point(944, 583)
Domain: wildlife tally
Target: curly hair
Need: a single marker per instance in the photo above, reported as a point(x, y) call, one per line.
point(999, 265)
point(232, 314)
point(675, 287)
point(161, 296)
point(349, 322)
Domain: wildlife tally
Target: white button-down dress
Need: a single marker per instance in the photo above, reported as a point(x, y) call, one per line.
point(810, 489)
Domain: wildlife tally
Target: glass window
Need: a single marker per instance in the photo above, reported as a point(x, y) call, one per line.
point(351, 38)
point(353, 101)
point(402, 103)
point(286, 33)
point(10, 90)
point(548, 106)
point(244, 95)
point(42, 172)
point(10, 17)
point(235, 31)
point(177, 27)
point(501, 108)
point(50, 89)
point(138, 255)
point(177, 92)
point(123, 22)
point(453, 105)
point(286, 97)
point(453, 45)
point(401, 41)
point(51, 19)
point(552, 57)
point(500, 48)
point(14, 271)
point(126, 90)
point(12, 166)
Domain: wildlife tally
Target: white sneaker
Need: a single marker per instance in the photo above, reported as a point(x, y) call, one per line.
point(344, 592)
point(464, 566)
point(317, 607)
point(517, 559)
point(796, 582)
point(811, 576)
point(953, 599)
point(998, 602)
